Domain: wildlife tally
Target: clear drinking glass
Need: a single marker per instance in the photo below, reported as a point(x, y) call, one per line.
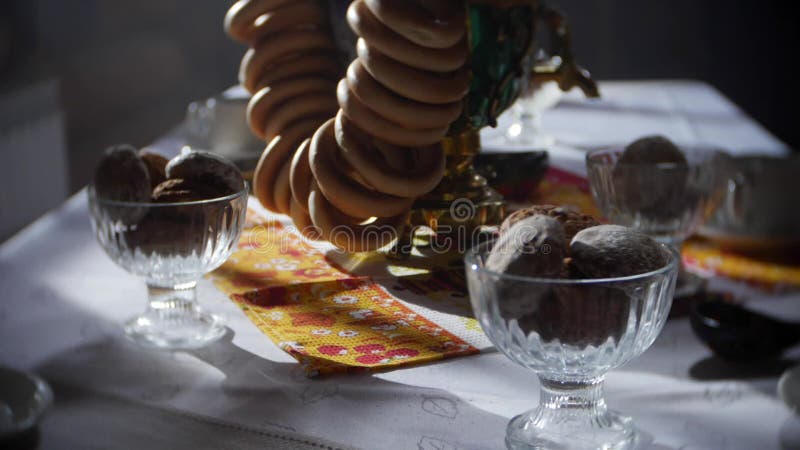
point(571, 333)
point(171, 246)
point(541, 94)
point(526, 128)
point(668, 201)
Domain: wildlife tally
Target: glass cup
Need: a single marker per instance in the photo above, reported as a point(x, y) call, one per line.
point(526, 126)
point(571, 332)
point(171, 246)
point(668, 201)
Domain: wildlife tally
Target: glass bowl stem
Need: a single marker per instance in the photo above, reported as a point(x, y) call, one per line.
point(574, 414)
point(173, 319)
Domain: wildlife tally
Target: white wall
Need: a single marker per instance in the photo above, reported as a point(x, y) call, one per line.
point(33, 168)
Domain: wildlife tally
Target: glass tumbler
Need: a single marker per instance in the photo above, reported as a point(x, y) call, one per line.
point(171, 246)
point(526, 127)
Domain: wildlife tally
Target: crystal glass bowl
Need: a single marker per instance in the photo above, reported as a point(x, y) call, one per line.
point(668, 201)
point(571, 332)
point(170, 245)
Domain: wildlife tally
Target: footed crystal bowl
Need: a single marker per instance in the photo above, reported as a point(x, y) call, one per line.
point(668, 201)
point(665, 200)
point(571, 332)
point(170, 245)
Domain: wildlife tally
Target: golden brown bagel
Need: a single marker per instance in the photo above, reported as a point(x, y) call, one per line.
point(351, 180)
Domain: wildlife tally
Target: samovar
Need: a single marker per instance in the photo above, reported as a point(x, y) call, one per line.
point(502, 42)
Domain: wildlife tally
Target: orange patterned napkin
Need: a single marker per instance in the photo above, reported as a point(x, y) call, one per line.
point(709, 259)
point(332, 320)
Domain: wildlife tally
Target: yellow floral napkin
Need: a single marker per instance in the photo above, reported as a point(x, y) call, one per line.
point(707, 258)
point(332, 320)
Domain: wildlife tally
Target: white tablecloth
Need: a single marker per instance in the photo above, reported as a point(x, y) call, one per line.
point(63, 301)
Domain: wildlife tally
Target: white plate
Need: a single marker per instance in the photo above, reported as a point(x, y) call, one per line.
point(789, 388)
point(23, 399)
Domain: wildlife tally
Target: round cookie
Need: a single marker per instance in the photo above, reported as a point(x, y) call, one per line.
point(608, 251)
point(652, 150)
point(177, 190)
point(533, 247)
point(206, 167)
point(122, 176)
point(572, 221)
point(156, 167)
point(650, 178)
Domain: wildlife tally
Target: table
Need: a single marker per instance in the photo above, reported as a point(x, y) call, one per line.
point(63, 301)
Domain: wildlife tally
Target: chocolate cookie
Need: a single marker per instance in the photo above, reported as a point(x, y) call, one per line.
point(170, 231)
point(584, 315)
point(176, 190)
point(534, 247)
point(607, 251)
point(572, 221)
point(652, 150)
point(122, 176)
point(206, 168)
point(650, 178)
point(156, 167)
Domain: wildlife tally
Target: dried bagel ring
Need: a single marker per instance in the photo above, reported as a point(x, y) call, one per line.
point(440, 28)
point(302, 221)
point(242, 18)
point(276, 154)
point(382, 128)
point(349, 233)
point(420, 85)
point(288, 16)
point(407, 113)
point(282, 193)
point(264, 102)
point(395, 46)
point(315, 63)
point(350, 197)
point(268, 52)
point(359, 174)
point(420, 179)
point(309, 104)
point(300, 175)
